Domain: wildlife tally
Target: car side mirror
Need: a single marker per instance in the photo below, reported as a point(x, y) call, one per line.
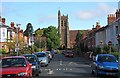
point(30, 64)
point(94, 60)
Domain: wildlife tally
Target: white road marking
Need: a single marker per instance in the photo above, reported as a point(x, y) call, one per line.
point(60, 62)
point(50, 72)
point(63, 68)
point(70, 62)
point(70, 69)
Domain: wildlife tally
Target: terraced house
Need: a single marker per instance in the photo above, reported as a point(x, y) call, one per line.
point(103, 35)
point(8, 35)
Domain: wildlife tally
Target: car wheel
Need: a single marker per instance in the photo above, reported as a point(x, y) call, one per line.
point(46, 65)
point(96, 73)
point(38, 74)
point(92, 71)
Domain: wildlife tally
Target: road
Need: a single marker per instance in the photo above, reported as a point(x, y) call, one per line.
point(64, 66)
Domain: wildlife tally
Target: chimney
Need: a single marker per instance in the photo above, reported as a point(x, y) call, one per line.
point(3, 20)
point(12, 25)
point(111, 18)
point(97, 25)
point(118, 14)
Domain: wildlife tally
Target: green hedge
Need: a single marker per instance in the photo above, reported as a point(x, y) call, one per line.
point(115, 54)
point(3, 51)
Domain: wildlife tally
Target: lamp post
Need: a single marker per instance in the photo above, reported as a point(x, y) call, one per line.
point(32, 40)
point(17, 44)
point(110, 46)
point(118, 38)
point(101, 46)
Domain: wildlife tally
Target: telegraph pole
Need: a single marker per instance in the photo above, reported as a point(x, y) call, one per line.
point(17, 33)
point(110, 46)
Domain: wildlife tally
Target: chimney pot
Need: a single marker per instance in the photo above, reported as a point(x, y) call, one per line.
point(111, 18)
point(3, 20)
point(12, 25)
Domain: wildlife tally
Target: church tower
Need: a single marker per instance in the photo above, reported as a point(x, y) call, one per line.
point(63, 30)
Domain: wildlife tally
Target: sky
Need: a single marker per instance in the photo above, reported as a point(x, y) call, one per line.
point(82, 15)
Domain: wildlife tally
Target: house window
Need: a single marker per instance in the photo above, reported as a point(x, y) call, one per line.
point(3, 46)
point(116, 29)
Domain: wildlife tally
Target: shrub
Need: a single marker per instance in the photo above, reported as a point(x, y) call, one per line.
point(3, 51)
point(115, 54)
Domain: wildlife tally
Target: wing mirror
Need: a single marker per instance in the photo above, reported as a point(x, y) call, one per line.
point(94, 60)
point(30, 64)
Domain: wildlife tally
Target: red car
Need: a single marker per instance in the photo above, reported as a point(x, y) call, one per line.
point(69, 54)
point(15, 67)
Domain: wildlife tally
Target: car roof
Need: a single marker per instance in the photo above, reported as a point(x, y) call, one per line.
point(39, 52)
point(105, 55)
point(27, 54)
point(13, 57)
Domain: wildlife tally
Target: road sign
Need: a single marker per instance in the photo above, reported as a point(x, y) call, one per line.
point(16, 49)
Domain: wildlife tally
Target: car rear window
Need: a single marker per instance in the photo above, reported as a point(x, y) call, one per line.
point(106, 59)
point(31, 58)
point(11, 62)
point(41, 55)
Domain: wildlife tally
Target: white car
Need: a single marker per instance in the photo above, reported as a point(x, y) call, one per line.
point(49, 54)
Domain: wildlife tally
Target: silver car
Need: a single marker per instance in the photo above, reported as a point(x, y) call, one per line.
point(43, 58)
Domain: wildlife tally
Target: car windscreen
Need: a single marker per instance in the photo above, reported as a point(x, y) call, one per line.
point(106, 59)
point(31, 58)
point(41, 55)
point(11, 62)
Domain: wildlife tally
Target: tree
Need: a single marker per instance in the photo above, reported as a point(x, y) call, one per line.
point(12, 44)
point(2, 50)
point(39, 33)
point(79, 36)
point(79, 44)
point(53, 40)
point(29, 30)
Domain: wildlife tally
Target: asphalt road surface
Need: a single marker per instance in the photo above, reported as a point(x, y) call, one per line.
point(66, 66)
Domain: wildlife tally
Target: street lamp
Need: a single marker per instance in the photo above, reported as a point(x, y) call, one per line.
point(32, 40)
point(101, 46)
point(110, 46)
point(118, 38)
point(17, 44)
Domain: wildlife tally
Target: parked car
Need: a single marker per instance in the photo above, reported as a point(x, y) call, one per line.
point(69, 54)
point(105, 64)
point(15, 66)
point(43, 58)
point(33, 59)
point(49, 54)
point(52, 53)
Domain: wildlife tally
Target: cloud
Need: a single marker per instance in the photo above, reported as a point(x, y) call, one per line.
point(102, 10)
point(49, 18)
point(85, 14)
point(106, 8)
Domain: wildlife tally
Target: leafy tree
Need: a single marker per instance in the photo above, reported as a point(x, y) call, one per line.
point(79, 45)
point(78, 36)
point(11, 44)
point(2, 50)
point(29, 30)
point(39, 33)
point(53, 40)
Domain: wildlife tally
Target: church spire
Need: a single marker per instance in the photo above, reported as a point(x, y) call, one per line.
point(59, 12)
